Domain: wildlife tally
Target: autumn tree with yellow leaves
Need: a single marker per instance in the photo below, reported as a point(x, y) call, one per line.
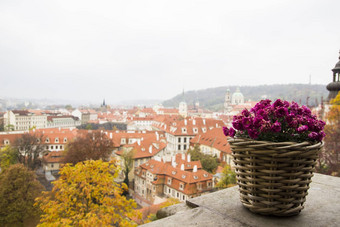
point(86, 195)
point(329, 158)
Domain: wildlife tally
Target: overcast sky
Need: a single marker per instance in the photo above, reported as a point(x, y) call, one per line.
point(125, 50)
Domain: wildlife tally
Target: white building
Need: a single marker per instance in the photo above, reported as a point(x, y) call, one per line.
point(24, 120)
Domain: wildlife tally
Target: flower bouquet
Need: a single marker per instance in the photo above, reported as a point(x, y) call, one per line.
point(275, 147)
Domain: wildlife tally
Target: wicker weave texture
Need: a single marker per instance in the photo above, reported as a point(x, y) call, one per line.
point(273, 178)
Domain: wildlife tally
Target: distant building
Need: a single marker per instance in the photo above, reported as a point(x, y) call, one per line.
point(179, 130)
point(334, 86)
point(23, 120)
point(64, 121)
point(181, 179)
point(214, 143)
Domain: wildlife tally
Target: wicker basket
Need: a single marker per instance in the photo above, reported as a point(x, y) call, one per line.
point(273, 178)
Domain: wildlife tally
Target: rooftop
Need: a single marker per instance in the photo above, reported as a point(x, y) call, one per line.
point(223, 208)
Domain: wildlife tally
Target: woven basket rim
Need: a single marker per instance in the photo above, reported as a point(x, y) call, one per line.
point(287, 145)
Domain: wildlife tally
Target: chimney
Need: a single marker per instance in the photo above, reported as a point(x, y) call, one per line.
point(204, 121)
point(182, 167)
point(185, 122)
point(142, 139)
point(195, 169)
point(183, 157)
point(189, 158)
point(157, 136)
point(194, 122)
point(173, 163)
point(110, 135)
point(138, 142)
point(150, 149)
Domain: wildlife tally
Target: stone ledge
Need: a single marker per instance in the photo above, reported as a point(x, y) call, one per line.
point(223, 208)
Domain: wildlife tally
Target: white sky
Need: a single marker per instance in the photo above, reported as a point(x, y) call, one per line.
point(122, 50)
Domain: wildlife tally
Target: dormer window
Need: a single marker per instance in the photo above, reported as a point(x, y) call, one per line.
point(38, 140)
point(123, 141)
point(204, 129)
point(195, 177)
point(184, 130)
point(181, 186)
point(184, 176)
point(195, 130)
point(6, 142)
point(65, 140)
point(173, 172)
point(205, 175)
point(169, 181)
point(56, 140)
point(47, 140)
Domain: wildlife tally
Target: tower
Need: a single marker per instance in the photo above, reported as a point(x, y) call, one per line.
point(334, 87)
point(227, 106)
point(183, 108)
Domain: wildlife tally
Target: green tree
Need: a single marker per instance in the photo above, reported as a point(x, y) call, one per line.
point(127, 158)
point(93, 146)
point(8, 157)
point(228, 178)
point(29, 146)
point(87, 195)
point(209, 163)
point(19, 188)
point(89, 127)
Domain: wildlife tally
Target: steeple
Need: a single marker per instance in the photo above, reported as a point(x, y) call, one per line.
point(334, 87)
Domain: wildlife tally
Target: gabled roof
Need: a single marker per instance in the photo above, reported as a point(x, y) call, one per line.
point(213, 138)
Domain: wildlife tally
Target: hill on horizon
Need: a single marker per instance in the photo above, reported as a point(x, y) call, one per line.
point(213, 98)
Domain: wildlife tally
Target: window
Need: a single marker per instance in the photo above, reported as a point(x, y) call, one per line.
point(195, 177)
point(179, 147)
point(46, 147)
point(185, 139)
point(169, 181)
point(177, 195)
point(122, 141)
point(181, 186)
point(183, 197)
point(179, 139)
point(209, 184)
point(56, 140)
point(199, 186)
point(169, 191)
point(185, 147)
point(47, 140)
point(205, 175)
point(52, 165)
point(65, 140)
point(51, 147)
point(6, 142)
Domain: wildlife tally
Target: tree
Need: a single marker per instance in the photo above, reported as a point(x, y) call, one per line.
point(209, 163)
point(127, 158)
point(329, 157)
point(8, 156)
point(228, 178)
point(85, 195)
point(29, 146)
point(92, 146)
point(19, 188)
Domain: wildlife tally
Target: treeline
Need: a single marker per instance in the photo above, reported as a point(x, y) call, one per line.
point(213, 98)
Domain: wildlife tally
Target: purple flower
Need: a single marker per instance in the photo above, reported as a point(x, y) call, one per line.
point(313, 135)
point(276, 127)
point(245, 113)
point(247, 122)
point(258, 121)
point(281, 112)
point(232, 132)
point(278, 103)
point(302, 128)
point(238, 125)
point(253, 133)
point(226, 131)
